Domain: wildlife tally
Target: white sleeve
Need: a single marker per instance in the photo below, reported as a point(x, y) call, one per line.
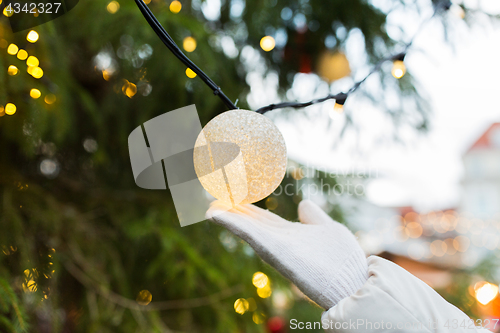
point(393, 300)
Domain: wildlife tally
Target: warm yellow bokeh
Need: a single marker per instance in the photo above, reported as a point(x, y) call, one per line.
point(10, 109)
point(144, 297)
point(175, 6)
point(189, 44)
point(32, 36)
point(32, 61)
point(113, 7)
point(333, 66)
point(22, 54)
point(267, 43)
point(12, 49)
point(35, 93)
point(485, 292)
point(37, 72)
point(260, 280)
point(398, 69)
point(241, 306)
point(50, 99)
point(190, 74)
point(12, 70)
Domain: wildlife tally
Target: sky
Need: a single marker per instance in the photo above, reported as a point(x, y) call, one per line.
point(461, 78)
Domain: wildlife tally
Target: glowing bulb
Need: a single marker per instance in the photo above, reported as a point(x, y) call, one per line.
point(35, 93)
point(190, 74)
point(260, 280)
point(32, 61)
point(240, 157)
point(113, 7)
point(485, 292)
point(8, 12)
point(146, 1)
point(241, 306)
point(12, 49)
point(144, 297)
point(50, 98)
point(175, 6)
point(22, 55)
point(10, 109)
point(36, 72)
point(12, 70)
point(189, 44)
point(267, 43)
point(398, 69)
point(32, 36)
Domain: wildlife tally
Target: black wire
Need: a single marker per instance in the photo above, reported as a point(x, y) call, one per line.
point(172, 46)
point(340, 98)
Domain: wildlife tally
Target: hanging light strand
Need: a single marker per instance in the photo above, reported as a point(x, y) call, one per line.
point(172, 46)
point(339, 98)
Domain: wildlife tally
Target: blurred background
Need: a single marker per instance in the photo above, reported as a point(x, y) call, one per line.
point(411, 163)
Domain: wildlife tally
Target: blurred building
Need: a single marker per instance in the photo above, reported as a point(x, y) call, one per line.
point(481, 182)
point(431, 245)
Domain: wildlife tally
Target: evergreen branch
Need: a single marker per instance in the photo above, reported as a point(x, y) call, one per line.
point(79, 275)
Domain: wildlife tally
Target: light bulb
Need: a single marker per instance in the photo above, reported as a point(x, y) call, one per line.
point(240, 157)
point(267, 43)
point(398, 69)
point(189, 44)
point(339, 108)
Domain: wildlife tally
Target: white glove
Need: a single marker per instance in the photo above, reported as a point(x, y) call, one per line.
point(320, 256)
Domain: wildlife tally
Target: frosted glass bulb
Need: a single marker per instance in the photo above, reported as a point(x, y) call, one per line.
point(240, 157)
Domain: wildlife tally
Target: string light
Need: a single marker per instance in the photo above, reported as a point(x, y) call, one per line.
point(190, 74)
point(50, 99)
point(36, 72)
point(8, 13)
point(339, 103)
point(267, 43)
point(113, 7)
point(175, 6)
point(32, 36)
point(12, 70)
point(398, 67)
point(32, 61)
point(35, 93)
point(10, 109)
point(12, 49)
point(22, 54)
point(189, 44)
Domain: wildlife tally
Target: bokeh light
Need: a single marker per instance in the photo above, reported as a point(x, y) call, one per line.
point(175, 6)
point(32, 61)
point(32, 36)
point(485, 292)
point(267, 43)
point(10, 109)
point(113, 7)
point(12, 70)
point(260, 280)
point(12, 49)
point(189, 44)
point(190, 74)
point(22, 54)
point(36, 72)
point(35, 93)
point(241, 306)
point(50, 99)
point(398, 69)
point(144, 297)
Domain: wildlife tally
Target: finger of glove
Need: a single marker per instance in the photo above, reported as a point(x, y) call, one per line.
point(310, 213)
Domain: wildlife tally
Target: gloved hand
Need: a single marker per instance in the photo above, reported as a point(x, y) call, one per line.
point(320, 256)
